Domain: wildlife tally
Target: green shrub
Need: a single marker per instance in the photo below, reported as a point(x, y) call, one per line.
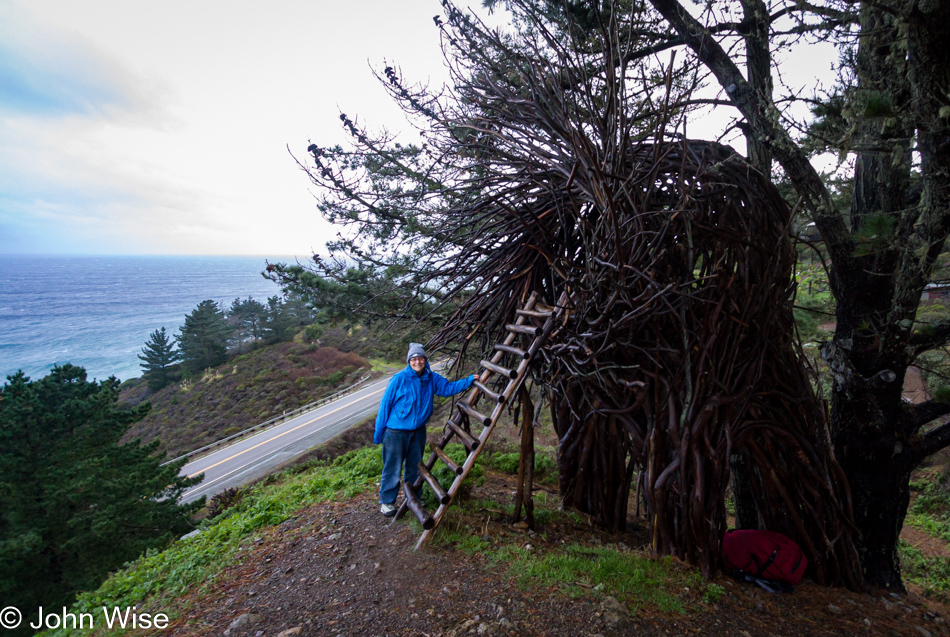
point(313, 332)
point(545, 467)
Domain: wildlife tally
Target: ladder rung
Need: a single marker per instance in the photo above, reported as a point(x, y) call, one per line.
point(444, 457)
point(512, 350)
point(415, 505)
point(533, 313)
point(440, 493)
point(470, 443)
point(498, 398)
point(498, 369)
point(530, 330)
point(465, 408)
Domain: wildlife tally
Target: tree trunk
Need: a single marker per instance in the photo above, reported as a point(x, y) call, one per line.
point(868, 358)
point(873, 461)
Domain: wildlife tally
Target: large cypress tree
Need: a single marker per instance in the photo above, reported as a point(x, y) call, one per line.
point(157, 357)
point(74, 503)
point(203, 339)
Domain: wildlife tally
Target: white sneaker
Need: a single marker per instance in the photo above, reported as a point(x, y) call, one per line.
point(387, 509)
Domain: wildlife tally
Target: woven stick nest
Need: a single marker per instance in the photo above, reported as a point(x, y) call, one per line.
point(678, 356)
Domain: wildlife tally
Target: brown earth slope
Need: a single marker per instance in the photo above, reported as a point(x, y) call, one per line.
point(340, 569)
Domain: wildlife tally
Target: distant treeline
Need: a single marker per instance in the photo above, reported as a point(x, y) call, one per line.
point(211, 332)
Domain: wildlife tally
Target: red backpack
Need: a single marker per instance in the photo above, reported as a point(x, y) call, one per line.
point(763, 554)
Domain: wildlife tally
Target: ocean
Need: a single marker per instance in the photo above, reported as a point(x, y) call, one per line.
point(98, 311)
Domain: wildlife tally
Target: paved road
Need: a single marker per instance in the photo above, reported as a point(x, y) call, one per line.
point(258, 455)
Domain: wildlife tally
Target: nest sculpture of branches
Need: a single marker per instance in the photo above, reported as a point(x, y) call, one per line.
point(678, 353)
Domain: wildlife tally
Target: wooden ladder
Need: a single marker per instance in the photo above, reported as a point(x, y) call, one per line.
point(533, 320)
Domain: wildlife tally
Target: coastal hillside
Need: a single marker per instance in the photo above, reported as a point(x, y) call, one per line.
point(305, 552)
point(248, 389)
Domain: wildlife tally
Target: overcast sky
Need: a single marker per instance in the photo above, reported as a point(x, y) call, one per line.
point(130, 127)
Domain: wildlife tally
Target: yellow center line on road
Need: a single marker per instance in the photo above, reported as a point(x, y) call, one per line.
point(192, 475)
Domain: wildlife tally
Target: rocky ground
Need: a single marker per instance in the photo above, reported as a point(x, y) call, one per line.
point(341, 569)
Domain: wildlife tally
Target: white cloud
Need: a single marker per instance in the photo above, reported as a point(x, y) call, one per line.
point(171, 119)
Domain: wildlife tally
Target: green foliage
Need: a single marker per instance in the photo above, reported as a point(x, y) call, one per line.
point(932, 574)
point(279, 324)
point(341, 292)
point(630, 577)
point(930, 513)
point(313, 332)
point(545, 467)
point(243, 392)
point(158, 356)
point(713, 594)
point(246, 319)
point(807, 323)
point(253, 322)
point(203, 339)
point(74, 503)
point(505, 462)
point(931, 509)
point(157, 579)
point(875, 233)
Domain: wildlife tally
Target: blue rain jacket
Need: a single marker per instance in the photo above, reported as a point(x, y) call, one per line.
point(407, 403)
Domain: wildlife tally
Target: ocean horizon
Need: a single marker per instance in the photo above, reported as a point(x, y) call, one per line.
point(98, 311)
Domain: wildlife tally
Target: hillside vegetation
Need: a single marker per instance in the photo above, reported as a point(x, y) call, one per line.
point(306, 551)
point(244, 391)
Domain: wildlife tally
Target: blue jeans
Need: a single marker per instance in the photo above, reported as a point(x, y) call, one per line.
point(400, 445)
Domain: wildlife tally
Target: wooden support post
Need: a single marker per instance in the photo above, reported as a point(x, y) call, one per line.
point(524, 496)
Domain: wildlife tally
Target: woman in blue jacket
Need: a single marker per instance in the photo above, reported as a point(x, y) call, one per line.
point(402, 418)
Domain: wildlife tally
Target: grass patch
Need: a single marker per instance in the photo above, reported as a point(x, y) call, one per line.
point(930, 511)
point(932, 574)
point(545, 466)
point(158, 580)
point(637, 580)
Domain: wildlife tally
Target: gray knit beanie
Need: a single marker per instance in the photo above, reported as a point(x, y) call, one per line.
point(415, 349)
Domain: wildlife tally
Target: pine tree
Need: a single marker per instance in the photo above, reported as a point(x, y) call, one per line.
point(74, 503)
point(279, 323)
point(203, 339)
point(157, 357)
point(246, 319)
